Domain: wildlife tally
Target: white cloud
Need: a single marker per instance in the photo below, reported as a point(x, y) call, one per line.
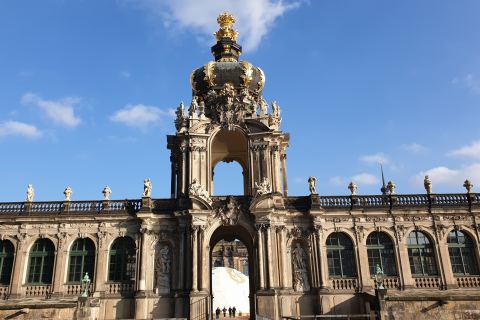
point(470, 81)
point(471, 151)
point(140, 116)
point(59, 111)
point(365, 179)
point(414, 148)
point(377, 158)
point(445, 176)
point(254, 17)
point(337, 181)
point(15, 128)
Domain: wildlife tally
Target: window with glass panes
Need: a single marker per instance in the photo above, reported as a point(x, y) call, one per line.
point(6, 261)
point(40, 267)
point(462, 253)
point(340, 257)
point(380, 252)
point(122, 260)
point(81, 260)
point(421, 255)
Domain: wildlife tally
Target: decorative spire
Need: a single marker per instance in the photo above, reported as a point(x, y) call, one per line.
point(226, 48)
point(226, 21)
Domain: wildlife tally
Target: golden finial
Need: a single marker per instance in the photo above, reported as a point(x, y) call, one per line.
point(226, 21)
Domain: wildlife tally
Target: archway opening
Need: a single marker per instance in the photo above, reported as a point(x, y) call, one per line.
point(226, 179)
point(232, 273)
point(229, 147)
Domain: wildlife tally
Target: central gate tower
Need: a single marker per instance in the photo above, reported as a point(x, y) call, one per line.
point(227, 120)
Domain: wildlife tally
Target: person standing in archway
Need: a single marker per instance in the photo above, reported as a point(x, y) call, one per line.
point(234, 310)
point(217, 313)
point(224, 312)
point(230, 312)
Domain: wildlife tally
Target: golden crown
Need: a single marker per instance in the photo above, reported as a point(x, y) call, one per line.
point(226, 21)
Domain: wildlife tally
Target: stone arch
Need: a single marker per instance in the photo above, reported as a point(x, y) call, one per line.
point(228, 145)
point(349, 234)
point(88, 236)
point(464, 229)
point(426, 231)
point(246, 234)
point(389, 233)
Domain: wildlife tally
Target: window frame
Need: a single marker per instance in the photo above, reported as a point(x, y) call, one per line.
point(43, 255)
point(465, 250)
point(127, 260)
point(84, 254)
point(426, 255)
point(343, 253)
point(383, 256)
point(7, 259)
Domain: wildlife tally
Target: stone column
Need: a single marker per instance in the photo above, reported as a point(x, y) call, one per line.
point(101, 264)
point(61, 257)
point(195, 258)
point(405, 272)
point(261, 264)
point(325, 283)
point(21, 258)
point(173, 179)
point(364, 272)
point(181, 262)
point(284, 174)
point(269, 265)
point(140, 301)
point(204, 260)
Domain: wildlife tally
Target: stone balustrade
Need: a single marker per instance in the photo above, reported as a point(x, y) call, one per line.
point(38, 290)
point(75, 289)
point(4, 291)
point(428, 282)
point(120, 288)
point(344, 283)
point(468, 281)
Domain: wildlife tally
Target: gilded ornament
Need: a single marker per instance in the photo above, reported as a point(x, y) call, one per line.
point(192, 80)
point(247, 75)
point(226, 21)
point(261, 82)
point(209, 73)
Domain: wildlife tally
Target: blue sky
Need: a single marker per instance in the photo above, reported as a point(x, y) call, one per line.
point(87, 89)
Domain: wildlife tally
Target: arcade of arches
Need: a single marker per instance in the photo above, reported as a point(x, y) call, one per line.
point(313, 254)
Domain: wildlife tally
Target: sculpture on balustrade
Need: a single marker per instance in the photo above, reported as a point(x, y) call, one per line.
point(427, 183)
point(147, 188)
point(162, 269)
point(30, 193)
point(106, 193)
point(68, 193)
point(353, 188)
point(180, 121)
point(300, 270)
point(201, 110)
point(274, 120)
point(192, 111)
point(391, 187)
point(312, 185)
point(263, 107)
point(468, 185)
point(263, 188)
point(196, 189)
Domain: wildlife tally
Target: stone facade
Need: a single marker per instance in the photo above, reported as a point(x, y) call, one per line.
point(152, 258)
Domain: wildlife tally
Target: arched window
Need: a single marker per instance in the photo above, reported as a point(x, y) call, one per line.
point(40, 267)
point(462, 253)
point(82, 259)
point(420, 255)
point(380, 252)
point(341, 261)
point(122, 260)
point(6, 261)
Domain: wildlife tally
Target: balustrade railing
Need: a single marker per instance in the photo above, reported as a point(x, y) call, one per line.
point(120, 288)
point(390, 283)
point(12, 207)
point(344, 283)
point(468, 281)
point(451, 199)
point(4, 292)
point(38, 291)
point(75, 289)
point(46, 207)
point(427, 282)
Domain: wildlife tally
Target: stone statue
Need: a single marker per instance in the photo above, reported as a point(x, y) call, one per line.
point(201, 110)
point(275, 109)
point(147, 188)
point(468, 185)
point(192, 111)
point(30, 193)
point(196, 189)
point(353, 188)
point(300, 270)
point(263, 188)
point(68, 193)
point(312, 185)
point(263, 107)
point(180, 121)
point(391, 187)
point(106, 193)
point(162, 269)
point(427, 183)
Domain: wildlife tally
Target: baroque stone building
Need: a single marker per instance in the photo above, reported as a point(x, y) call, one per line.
point(152, 258)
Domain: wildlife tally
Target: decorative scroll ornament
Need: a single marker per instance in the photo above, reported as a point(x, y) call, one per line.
point(300, 269)
point(230, 213)
point(263, 188)
point(196, 189)
point(209, 73)
point(247, 75)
